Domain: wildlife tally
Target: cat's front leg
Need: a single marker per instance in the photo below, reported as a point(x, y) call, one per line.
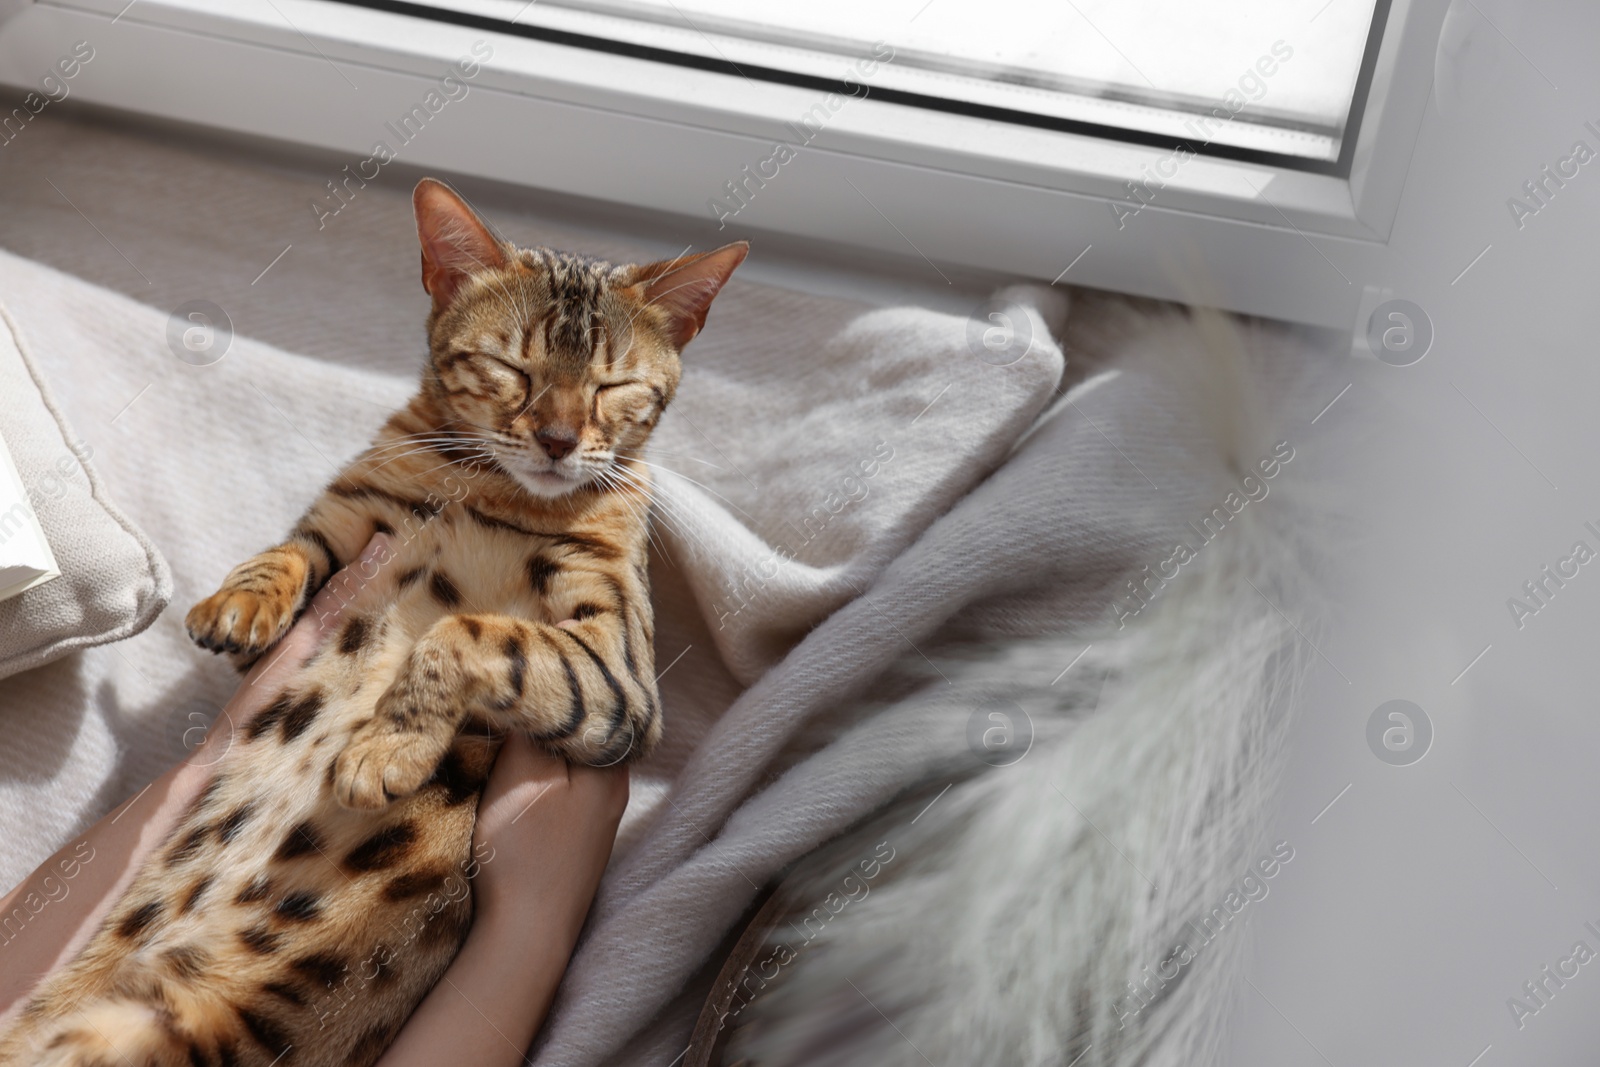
point(261, 597)
point(257, 602)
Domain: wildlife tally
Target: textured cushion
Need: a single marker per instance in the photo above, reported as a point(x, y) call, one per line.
point(113, 582)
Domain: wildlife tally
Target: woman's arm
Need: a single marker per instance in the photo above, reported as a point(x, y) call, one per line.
point(107, 857)
point(543, 838)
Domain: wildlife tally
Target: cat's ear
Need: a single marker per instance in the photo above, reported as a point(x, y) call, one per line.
point(685, 287)
point(455, 242)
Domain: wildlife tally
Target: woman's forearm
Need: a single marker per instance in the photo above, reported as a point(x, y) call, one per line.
point(544, 836)
point(99, 864)
point(489, 1004)
point(52, 913)
point(46, 919)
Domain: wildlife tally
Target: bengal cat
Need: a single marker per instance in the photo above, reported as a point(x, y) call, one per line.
point(318, 888)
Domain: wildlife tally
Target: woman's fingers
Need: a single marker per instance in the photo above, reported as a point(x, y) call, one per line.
point(605, 787)
point(542, 822)
point(528, 784)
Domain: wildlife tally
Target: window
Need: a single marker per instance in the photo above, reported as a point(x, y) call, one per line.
point(1243, 79)
point(1265, 143)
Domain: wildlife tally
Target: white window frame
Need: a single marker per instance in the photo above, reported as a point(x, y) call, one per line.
point(952, 189)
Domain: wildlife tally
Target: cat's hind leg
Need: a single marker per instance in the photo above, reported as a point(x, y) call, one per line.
point(111, 1033)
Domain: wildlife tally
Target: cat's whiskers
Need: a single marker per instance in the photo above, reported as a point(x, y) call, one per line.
point(642, 507)
point(474, 453)
point(677, 455)
point(417, 444)
point(440, 467)
point(637, 507)
point(697, 484)
point(442, 432)
point(669, 511)
point(432, 436)
point(676, 514)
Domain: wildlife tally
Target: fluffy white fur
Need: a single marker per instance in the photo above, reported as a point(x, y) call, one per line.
point(1022, 903)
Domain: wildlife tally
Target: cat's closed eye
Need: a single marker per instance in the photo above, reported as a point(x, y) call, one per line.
point(502, 369)
point(635, 398)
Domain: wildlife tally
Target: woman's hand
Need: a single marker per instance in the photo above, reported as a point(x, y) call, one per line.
point(543, 838)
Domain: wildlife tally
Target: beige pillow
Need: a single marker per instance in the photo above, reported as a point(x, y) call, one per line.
point(113, 581)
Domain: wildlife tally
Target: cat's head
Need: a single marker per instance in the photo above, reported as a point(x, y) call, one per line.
point(553, 363)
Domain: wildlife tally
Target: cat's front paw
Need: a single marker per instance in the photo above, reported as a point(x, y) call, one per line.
point(240, 620)
point(382, 763)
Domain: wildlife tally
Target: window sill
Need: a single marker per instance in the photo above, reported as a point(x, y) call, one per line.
point(947, 188)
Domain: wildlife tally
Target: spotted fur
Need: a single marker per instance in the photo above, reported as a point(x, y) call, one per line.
point(320, 885)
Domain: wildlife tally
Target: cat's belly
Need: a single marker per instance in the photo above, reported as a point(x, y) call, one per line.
point(275, 915)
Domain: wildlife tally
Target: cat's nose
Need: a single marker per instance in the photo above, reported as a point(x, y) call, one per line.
point(556, 441)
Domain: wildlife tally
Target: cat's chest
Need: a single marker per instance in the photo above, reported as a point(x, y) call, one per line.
point(467, 560)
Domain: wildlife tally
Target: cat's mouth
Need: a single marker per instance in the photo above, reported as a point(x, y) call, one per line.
point(552, 482)
point(547, 481)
